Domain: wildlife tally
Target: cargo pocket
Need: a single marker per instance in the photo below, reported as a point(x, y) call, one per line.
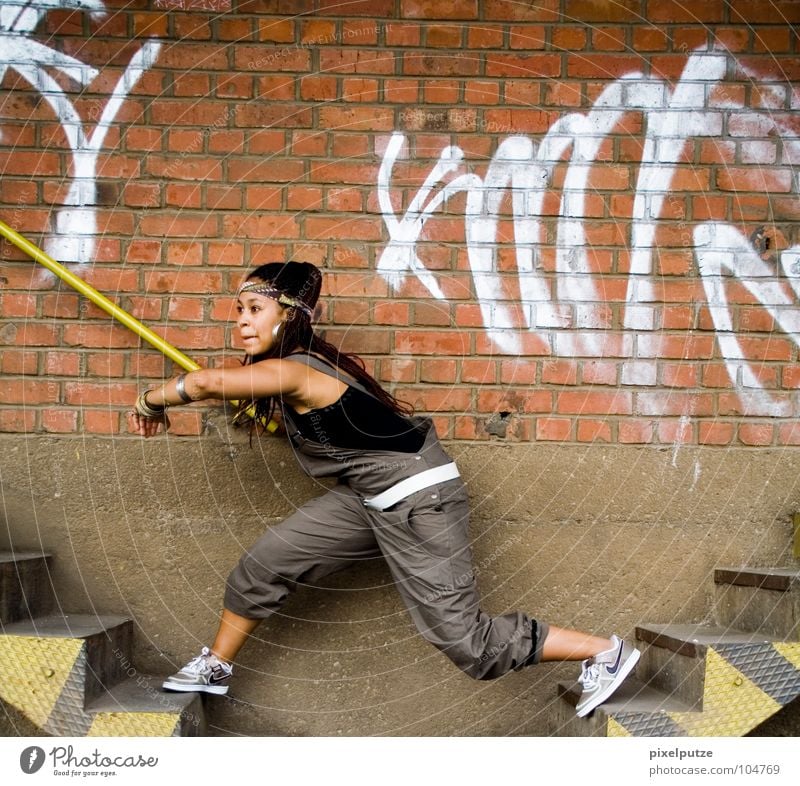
point(429, 522)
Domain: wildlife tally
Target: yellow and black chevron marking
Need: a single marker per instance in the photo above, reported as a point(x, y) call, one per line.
point(44, 678)
point(744, 685)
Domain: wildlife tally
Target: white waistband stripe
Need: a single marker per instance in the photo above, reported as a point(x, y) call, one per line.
point(417, 482)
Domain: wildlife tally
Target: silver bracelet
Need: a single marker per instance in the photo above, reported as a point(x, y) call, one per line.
point(180, 389)
point(148, 410)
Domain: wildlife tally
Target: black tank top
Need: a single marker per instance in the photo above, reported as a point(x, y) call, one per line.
point(358, 420)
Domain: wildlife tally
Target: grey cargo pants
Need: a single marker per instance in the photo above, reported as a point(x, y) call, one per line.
point(425, 542)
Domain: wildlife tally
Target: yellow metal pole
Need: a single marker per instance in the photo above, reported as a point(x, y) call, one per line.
point(100, 300)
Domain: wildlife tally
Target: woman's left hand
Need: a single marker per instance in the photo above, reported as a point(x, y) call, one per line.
point(146, 427)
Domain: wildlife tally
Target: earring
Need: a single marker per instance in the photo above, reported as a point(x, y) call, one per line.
point(276, 330)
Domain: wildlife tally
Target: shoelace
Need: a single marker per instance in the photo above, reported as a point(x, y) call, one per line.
point(590, 674)
point(196, 665)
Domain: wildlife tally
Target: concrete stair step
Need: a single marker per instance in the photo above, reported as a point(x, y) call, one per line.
point(25, 587)
point(52, 667)
point(710, 667)
point(636, 709)
point(138, 707)
point(759, 599)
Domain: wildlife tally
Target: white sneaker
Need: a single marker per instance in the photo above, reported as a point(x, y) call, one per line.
point(604, 673)
point(205, 674)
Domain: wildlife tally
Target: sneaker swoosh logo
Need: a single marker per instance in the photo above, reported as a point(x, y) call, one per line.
point(613, 669)
point(214, 679)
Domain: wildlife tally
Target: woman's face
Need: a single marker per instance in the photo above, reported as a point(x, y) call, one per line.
point(257, 317)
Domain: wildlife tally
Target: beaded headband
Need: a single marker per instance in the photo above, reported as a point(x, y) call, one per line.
point(261, 288)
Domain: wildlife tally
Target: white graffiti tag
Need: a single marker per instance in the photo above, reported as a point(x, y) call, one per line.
point(73, 238)
point(672, 117)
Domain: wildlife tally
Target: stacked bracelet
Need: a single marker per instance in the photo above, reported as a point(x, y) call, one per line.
point(180, 388)
point(148, 410)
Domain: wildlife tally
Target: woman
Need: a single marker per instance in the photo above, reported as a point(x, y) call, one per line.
point(398, 495)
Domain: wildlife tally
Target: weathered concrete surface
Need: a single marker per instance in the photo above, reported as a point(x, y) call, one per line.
point(600, 538)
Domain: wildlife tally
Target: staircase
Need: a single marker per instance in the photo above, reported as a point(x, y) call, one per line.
point(72, 674)
point(722, 679)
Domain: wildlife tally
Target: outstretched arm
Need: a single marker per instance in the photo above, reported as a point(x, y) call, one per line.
point(258, 380)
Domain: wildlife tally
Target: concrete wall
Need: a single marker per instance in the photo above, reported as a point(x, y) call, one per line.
point(595, 538)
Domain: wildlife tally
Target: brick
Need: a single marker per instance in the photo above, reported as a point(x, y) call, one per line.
point(675, 346)
point(356, 61)
point(274, 170)
point(443, 371)
point(594, 431)
point(319, 88)
point(679, 375)
point(105, 364)
point(485, 36)
point(481, 92)
point(437, 91)
point(756, 179)
point(33, 334)
point(360, 89)
point(755, 404)
point(59, 421)
point(191, 84)
point(594, 402)
point(29, 391)
point(261, 226)
point(560, 372)
point(398, 370)
point(605, 67)
point(671, 432)
point(671, 11)
point(528, 344)
point(14, 361)
point(431, 343)
point(446, 399)
point(553, 429)
point(17, 305)
point(540, 11)
point(426, 63)
point(789, 434)
point(639, 373)
point(62, 363)
point(715, 433)
point(146, 308)
point(432, 9)
point(618, 11)
point(401, 91)
point(447, 36)
point(182, 195)
point(403, 34)
point(651, 39)
point(18, 422)
point(100, 421)
point(186, 422)
point(526, 37)
point(520, 66)
point(350, 228)
point(599, 372)
point(478, 371)
point(524, 401)
point(359, 32)
point(636, 432)
point(352, 118)
point(178, 225)
point(671, 402)
point(608, 39)
point(756, 434)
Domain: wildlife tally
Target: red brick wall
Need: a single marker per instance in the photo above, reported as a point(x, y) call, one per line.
point(615, 257)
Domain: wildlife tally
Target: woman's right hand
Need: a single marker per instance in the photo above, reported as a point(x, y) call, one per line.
point(146, 427)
